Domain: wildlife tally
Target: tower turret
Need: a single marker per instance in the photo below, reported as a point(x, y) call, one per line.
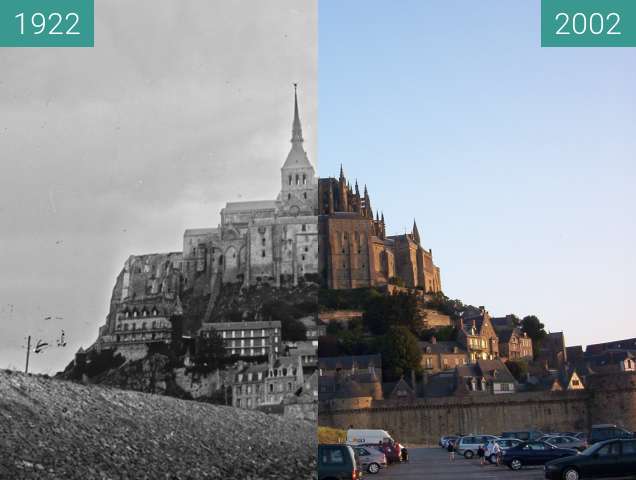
point(298, 179)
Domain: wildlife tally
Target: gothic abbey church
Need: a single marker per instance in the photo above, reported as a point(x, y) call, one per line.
point(257, 242)
point(355, 250)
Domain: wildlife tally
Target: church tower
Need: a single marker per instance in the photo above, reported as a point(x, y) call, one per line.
point(298, 178)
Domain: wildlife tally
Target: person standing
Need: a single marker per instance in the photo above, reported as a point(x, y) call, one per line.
point(481, 453)
point(451, 450)
point(496, 450)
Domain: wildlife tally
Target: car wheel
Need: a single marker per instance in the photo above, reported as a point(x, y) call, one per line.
point(516, 464)
point(468, 454)
point(571, 474)
point(373, 468)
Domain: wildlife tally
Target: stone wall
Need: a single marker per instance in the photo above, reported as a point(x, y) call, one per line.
point(607, 400)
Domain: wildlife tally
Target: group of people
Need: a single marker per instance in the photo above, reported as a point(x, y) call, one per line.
point(394, 451)
point(481, 452)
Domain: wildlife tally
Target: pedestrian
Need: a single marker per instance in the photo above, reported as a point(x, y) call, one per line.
point(405, 454)
point(496, 450)
point(481, 452)
point(451, 450)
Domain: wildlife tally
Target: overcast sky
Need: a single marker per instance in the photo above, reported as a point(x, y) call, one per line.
point(115, 150)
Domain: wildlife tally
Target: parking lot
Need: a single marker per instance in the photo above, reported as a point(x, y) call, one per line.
point(433, 463)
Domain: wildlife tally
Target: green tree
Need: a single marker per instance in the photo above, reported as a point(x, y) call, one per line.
point(381, 313)
point(400, 353)
point(518, 368)
point(210, 352)
point(293, 330)
point(532, 326)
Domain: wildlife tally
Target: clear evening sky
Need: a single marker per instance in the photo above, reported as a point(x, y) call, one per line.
point(518, 162)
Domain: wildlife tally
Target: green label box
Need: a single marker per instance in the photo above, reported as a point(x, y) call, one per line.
point(588, 23)
point(47, 23)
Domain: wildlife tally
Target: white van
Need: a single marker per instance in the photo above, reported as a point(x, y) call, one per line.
point(365, 437)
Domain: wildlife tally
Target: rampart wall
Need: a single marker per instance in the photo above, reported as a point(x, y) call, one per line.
point(608, 399)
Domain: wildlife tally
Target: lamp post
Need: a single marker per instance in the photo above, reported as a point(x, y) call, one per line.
point(28, 352)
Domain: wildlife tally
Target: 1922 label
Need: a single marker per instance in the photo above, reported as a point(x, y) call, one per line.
point(54, 24)
point(47, 23)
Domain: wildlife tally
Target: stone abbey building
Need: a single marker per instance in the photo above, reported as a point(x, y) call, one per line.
point(267, 241)
point(355, 250)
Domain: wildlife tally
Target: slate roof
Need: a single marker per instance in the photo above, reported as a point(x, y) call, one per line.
point(492, 370)
point(360, 362)
point(441, 385)
point(441, 347)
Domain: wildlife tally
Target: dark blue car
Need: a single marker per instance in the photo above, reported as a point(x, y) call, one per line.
point(611, 458)
point(534, 453)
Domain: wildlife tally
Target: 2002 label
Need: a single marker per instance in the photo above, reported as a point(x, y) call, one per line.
point(595, 23)
point(54, 24)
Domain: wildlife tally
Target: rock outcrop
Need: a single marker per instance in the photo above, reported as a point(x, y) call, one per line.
point(51, 429)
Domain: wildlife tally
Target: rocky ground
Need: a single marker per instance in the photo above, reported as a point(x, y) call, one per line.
point(54, 429)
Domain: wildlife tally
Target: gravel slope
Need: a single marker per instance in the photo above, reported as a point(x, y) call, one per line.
point(52, 429)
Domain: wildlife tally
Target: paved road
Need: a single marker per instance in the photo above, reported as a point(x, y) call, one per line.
point(433, 464)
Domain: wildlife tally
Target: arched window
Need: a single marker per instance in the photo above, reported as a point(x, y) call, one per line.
point(297, 179)
point(290, 179)
point(305, 195)
point(289, 196)
point(304, 179)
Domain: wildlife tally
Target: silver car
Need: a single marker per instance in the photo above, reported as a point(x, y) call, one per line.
point(371, 459)
point(468, 445)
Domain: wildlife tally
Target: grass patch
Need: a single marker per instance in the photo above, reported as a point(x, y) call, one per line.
point(331, 435)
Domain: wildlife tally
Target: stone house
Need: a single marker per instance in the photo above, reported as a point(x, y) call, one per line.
point(246, 339)
point(514, 344)
point(552, 350)
point(267, 383)
point(485, 376)
point(438, 356)
point(477, 335)
point(361, 374)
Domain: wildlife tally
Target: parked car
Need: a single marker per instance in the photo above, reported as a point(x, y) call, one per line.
point(504, 444)
point(603, 432)
point(468, 445)
point(337, 462)
point(371, 459)
point(525, 435)
point(610, 458)
point(563, 441)
point(533, 453)
point(443, 441)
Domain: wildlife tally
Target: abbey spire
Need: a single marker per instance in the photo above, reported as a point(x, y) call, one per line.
point(297, 157)
point(415, 232)
point(297, 130)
